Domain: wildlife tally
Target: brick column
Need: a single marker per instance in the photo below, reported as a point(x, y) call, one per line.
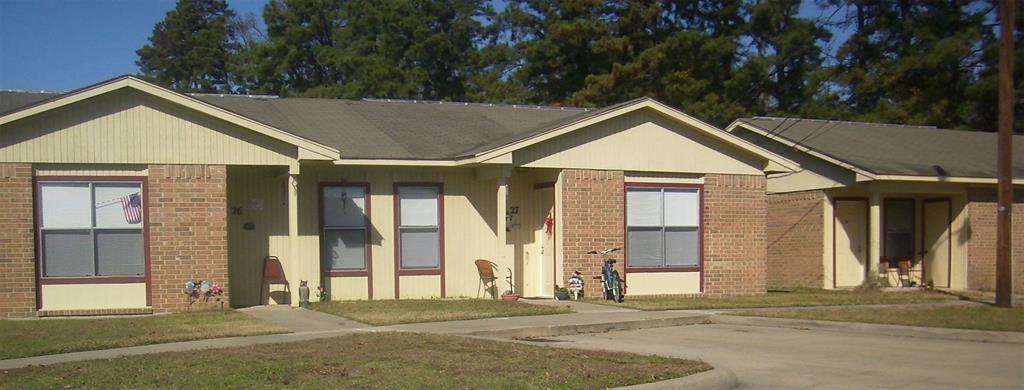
point(981, 246)
point(187, 231)
point(795, 239)
point(592, 218)
point(17, 242)
point(735, 255)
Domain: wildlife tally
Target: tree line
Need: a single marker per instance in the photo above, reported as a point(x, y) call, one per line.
point(930, 62)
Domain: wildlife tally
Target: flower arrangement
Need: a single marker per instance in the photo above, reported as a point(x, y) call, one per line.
point(202, 290)
point(322, 294)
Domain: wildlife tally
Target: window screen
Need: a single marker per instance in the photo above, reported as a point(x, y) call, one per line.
point(663, 227)
point(345, 230)
point(419, 227)
point(91, 229)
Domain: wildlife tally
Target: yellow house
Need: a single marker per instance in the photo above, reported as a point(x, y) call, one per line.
point(904, 205)
point(114, 195)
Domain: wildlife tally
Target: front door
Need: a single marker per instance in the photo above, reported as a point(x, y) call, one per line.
point(850, 256)
point(935, 241)
point(545, 239)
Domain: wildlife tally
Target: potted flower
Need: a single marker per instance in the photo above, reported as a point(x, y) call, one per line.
point(508, 295)
point(561, 293)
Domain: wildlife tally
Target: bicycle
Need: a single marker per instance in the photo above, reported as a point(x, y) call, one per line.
point(614, 286)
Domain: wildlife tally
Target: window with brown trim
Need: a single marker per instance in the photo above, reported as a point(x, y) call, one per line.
point(419, 222)
point(663, 227)
point(91, 228)
point(899, 229)
point(345, 227)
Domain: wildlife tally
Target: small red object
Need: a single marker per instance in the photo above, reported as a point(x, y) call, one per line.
point(549, 225)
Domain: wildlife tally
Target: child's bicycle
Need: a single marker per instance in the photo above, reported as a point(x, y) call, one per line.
point(614, 286)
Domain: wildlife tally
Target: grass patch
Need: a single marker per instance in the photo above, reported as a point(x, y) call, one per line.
point(21, 338)
point(363, 361)
point(780, 298)
point(390, 312)
point(978, 317)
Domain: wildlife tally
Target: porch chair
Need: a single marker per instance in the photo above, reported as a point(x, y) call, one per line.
point(273, 273)
point(488, 282)
point(905, 267)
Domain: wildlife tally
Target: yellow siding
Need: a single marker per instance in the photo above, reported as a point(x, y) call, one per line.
point(640, 141)
point(827, 242)
point(470, 216)
point(653, 283)
point(255, 195)
point(420, 287)
point(533, 277)
point(345, 288)
point(130, 127)
point(670, 178)
point(957, 193)
point(93, 296)
point(89, 170)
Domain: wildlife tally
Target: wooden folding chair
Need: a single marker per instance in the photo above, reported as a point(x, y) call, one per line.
point(273, 273)
point(488, 281)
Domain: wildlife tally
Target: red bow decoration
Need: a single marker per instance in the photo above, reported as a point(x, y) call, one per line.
point(549, 225)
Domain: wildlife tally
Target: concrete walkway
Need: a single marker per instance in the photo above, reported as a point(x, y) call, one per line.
point(556, 324)
point(579, 307)
point(299, 320)
point(773, 358)
point(171, 347)
point(309, 324)
point(589, 319)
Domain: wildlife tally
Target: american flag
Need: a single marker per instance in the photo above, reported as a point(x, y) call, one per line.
point(132, 205)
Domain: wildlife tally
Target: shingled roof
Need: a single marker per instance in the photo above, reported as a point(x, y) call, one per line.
point(379, 128)
point(888, 149)
point(399, 129)
point(14, 100)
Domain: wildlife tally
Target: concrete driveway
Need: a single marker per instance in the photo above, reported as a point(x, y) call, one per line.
point(765, 357)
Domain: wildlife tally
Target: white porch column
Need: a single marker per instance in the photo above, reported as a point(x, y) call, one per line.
point(874, 232)
point(502, 225)
point(294, 265)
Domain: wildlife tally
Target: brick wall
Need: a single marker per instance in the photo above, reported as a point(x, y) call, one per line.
point(188, 230)
point(17, 244)
point(592, 218)
point(795, 242)
point(981, 246)
point(735, 256)
point(735, 208)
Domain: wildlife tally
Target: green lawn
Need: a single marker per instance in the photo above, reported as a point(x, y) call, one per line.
point(390, 312)
point(33, 337)
point(780, 298)
point(980, 317)
point(363, 361)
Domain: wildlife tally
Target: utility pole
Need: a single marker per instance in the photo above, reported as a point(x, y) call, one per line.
point(1004, 264)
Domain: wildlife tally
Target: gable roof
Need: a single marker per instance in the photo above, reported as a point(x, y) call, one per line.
point(878, 149)
point(14, 100)
point(40, 104)
point(389, 131)
point(398, 129)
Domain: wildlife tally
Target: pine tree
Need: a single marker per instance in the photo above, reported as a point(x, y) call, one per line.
point(190, 49)
point(912, 62)
point(785, 52)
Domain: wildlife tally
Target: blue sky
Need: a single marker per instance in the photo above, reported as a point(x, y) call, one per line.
point(61, 45)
